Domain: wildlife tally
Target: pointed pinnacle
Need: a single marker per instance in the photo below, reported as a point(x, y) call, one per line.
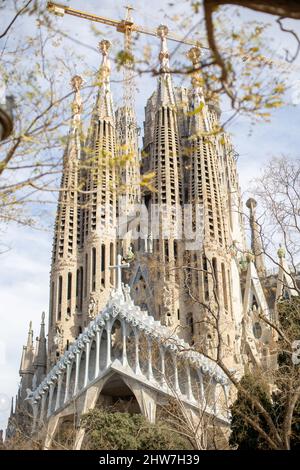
point(76, 82)
point(194, 55)
point(30, 336)
point(162, 32)
point(104, 47)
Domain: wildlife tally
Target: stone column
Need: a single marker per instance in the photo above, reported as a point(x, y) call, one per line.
point(97, 362)
point(108, 346)
point(68, 376)
point(124, 344)
point(162, 364)
point(35, 408)
point(201, 389)
point(87, 362)
point(137, 359)
point(150, 371)
point(42, 411)
point(59, 382)
point(50, 399)
point(189, 384)
point(77, 372)
point(176, 383)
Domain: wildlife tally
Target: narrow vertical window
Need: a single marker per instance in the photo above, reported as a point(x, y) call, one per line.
point(103, 264)
point(69, 286)
point(215, 275)
point(93, 269)
point(77, 283)
point(225, 296)
point(52, 303)
point(102, 258)
point(59, 297)
point(81, 288)
point(166, 251)
point(86, 275)
point(205, 278)
point(190, 323)
point(175, 251)
point(111, 261)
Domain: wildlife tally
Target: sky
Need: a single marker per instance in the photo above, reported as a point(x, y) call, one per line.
point(25, 265)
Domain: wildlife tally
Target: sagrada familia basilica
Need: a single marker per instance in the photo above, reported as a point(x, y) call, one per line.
point(153, 286)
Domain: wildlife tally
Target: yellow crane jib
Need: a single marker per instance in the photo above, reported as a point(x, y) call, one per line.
point(123, 26)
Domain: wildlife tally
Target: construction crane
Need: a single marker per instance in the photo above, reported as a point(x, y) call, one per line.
point(122, 26)
point(126, 27)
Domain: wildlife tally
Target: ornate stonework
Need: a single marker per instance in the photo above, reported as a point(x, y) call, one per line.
point(101, 328)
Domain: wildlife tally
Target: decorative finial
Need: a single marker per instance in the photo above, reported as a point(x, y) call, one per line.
point(104, 47)
point(194, 55)
point(162, 31)
point(43, 317)
point(30, 336)
point(76, 83)
point(281, 252)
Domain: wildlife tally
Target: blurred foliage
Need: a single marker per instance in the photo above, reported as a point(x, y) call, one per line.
point(123, 431)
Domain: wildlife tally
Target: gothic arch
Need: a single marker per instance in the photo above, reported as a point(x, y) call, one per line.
point(118, 394)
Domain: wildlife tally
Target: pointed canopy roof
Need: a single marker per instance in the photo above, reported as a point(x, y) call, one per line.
point(26, 365)
point(254, 288)
point(41, 354)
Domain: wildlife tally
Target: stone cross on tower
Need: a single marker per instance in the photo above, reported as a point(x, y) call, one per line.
point(119, 266)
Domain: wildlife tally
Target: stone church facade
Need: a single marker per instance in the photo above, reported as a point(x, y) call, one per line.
point(148, 281)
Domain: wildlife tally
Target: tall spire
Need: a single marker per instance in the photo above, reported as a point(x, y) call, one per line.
point(12, 407)
point(76, 84)
point(98, 214)
point(256, 244)
point(203, 178)
point(198, 116)
point(165, 95)
point(104, 105)
point(165, 163)
point(26, 366)
point(30, 336)
point(40, 362)
point(64, 260)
